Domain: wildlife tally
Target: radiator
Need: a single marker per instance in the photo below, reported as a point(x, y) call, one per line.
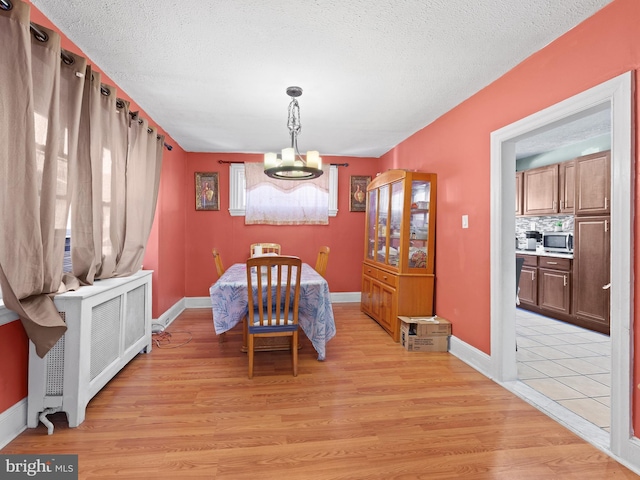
point(108, 324)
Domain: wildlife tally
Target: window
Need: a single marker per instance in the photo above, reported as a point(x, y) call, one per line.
point(237, 193)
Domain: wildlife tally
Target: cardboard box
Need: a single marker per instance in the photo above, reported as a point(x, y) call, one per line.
point(427, 326)
point(413, 343)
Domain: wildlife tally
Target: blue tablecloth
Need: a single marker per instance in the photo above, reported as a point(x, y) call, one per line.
point(230, 304)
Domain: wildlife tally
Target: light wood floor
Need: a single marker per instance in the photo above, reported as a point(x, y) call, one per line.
point(370, 411)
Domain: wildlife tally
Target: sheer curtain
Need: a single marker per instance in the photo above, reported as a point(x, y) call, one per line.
point(285, 202)
point(64, 138)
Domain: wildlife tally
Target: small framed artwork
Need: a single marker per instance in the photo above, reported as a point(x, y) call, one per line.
point(207, 191)
point(358, 193)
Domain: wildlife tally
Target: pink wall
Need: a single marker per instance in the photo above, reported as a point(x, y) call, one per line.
point(457, 148)
point(14, 350)
point(209, 229)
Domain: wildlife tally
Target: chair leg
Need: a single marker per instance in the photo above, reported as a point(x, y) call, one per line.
point(250, 356)
point(294, 352)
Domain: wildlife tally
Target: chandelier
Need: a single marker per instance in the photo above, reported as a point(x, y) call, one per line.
point(290, 165)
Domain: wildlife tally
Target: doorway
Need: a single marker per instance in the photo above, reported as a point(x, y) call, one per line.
point(617, 95)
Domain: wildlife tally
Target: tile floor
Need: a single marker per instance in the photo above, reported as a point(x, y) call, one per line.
point(567, 364)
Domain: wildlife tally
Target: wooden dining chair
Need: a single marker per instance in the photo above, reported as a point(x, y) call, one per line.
point(218, 259)
point(273, 307)
point(322, 260)
point(265, 248)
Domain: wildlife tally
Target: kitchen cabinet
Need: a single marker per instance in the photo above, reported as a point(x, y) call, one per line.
point(546, 287)
point(540, 190)
point(398, 268)
point(593, 184)
point(567, 184)
point(528, 283)
point(554, 284)
point(591, 264)
point(528, 286)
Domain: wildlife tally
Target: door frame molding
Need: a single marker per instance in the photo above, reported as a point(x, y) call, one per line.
point(618, 93)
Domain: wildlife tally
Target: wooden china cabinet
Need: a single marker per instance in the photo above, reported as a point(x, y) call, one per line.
point(398, 269)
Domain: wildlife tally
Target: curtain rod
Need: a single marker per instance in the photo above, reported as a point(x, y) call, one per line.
point(42, 36)
point(333, 164)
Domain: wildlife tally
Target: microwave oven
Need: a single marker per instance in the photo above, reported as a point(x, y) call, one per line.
point(557, 242)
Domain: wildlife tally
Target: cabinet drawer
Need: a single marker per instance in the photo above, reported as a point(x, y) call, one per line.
point(388, 278)
point(555, 263)
point(530, 260)
point(369, 271)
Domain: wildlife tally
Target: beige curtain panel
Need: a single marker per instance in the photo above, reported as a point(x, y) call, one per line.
point(64, 142)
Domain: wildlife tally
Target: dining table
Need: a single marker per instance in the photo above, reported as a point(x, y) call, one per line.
point(229, 302)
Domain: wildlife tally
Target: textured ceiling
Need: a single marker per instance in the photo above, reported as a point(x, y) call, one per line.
point(213, 74)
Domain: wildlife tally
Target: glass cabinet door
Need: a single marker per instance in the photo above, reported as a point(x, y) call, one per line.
point(419, 224)
point(383, 222)
point(395, 223)
point(372, 213)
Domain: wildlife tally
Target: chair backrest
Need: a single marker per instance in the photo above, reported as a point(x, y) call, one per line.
point(274, 290)
point(258, 249)
point(218, 259)
point(322, 260)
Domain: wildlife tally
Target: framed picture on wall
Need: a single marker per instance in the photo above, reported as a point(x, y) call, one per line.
point(207, 191)
point(358, 193)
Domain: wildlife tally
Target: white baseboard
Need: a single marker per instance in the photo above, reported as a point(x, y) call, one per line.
point(470, 355)
point(170, 315)
point(13, 422)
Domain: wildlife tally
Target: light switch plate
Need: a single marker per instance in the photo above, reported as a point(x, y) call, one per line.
point(465, 221)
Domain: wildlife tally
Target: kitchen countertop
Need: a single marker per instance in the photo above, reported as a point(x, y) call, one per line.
point(541, 253)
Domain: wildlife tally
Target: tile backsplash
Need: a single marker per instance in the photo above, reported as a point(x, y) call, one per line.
point(543, 224)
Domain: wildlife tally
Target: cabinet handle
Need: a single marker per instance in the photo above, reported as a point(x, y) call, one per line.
point(607, 286)
point(533, 276)
point(555, 204)
point(561, 204)
point(606, 202)
point(552, 263)
point(565, 280)
point(606, 225)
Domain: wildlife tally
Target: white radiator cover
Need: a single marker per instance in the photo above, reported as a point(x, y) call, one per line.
point(108, 324)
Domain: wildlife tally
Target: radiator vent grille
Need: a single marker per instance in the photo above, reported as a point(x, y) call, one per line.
point(55, 367)
point(134, 318)
point(105, 334)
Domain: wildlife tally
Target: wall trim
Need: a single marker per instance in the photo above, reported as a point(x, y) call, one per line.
point(13, 421)
point(470, 355)
point(172, 313)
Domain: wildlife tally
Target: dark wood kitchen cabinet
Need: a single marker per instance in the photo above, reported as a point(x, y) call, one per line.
point(528, 284)
point(591, 263)
point(540, 191)
point(567, 184)
point(593, 184)
point(554, 285)
point(519, 181)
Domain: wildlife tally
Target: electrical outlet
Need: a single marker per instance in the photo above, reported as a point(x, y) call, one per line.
point(465, 221)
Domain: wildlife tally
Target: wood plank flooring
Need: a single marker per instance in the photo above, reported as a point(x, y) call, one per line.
point(370, 411)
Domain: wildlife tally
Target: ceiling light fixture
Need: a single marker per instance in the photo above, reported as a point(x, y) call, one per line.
point(290, 165)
